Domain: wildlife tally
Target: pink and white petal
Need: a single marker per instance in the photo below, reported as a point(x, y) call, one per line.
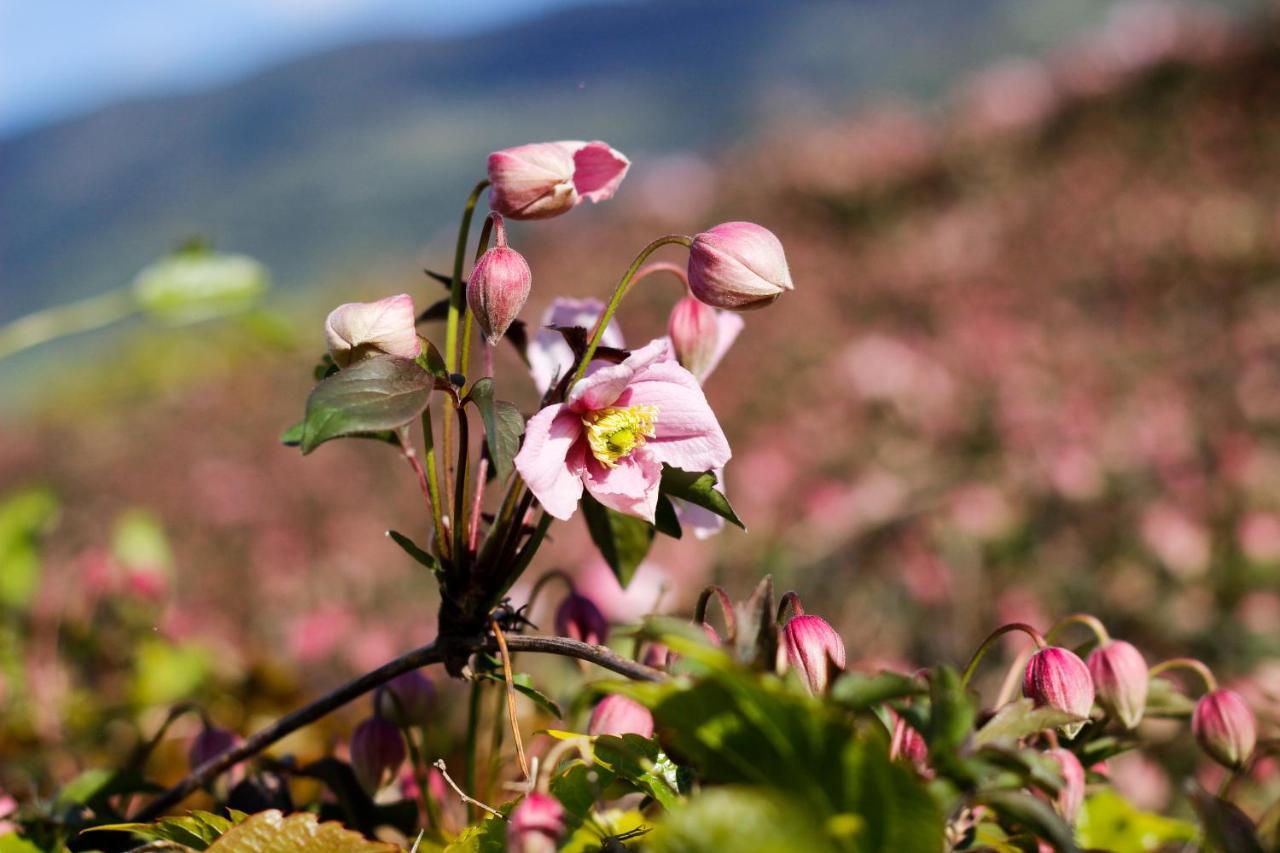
point(631, 487)
point(601, 389)
point(687, 434)
point(598, 170)
point(547, 462)
point(550, 358)
point(730, 326)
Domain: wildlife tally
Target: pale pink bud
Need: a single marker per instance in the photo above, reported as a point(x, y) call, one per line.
point(497, 290)
point(549, 178)
point(1058, 678)
point(739, 266)
point(408, 699)
point(1071, 795)
point(695, 335)
point(617, 715)
point(360, 329)
point(579, 618)
point(1120, 679)
point(536, 825)
point(377, 751)
point(814, 649)
point(1225, 727)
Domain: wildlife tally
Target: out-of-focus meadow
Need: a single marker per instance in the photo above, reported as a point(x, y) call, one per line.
point(1031, 366)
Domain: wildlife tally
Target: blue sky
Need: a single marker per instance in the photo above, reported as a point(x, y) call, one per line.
point(61, 57)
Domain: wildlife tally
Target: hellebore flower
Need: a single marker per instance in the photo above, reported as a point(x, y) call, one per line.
point(549, 178)
point(617, 715)
point(377, 751)
point(814, 648)
point(1225, 727)
point(1071, 795)
point(739, 266)
point(1120, 679)
point(550, 357)
point(359, 329)
point(536, 825)
point(614, 433)
point(701, 335)
point(498, 287)
point(1058, 678)
point(408, 699)
point(579, 618)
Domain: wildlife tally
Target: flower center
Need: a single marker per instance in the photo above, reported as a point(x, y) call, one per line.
point(614, 433)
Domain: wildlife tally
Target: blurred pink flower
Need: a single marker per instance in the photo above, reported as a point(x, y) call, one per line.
point(1176, 539)
point(1259, 536)
point(314, 636)
point(597, 581)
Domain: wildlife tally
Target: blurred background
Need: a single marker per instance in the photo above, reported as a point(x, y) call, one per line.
point(1031, 365)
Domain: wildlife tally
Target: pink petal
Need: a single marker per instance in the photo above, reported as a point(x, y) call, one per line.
point(601, 389)
point(546, 462)
point(598, 170)
point(630, 487)
point(533, 181)
point(388, 326)
point(730, 327)
point(688, 436)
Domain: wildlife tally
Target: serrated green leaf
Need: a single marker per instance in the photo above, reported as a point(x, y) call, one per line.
point(503, 426)
point(1021, 718)
point(623, 540)
point(369, 396)
point(699, 489)
point(411, 548)
point(271, 830)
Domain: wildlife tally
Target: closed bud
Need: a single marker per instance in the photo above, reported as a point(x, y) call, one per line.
point(408, 699)
point(377, 751)
point(739, 266)
point(908, 745)
point(617, 715)
point(357, 330)
point(579, 618)
point(536, 825)
point(695, 335)
point(1120, 679)
point(549, 178)
point(1225, 728)
point(1059, 679)
point(815, 649)
point(1071, 795)
point(498, 288)
point(209, 744)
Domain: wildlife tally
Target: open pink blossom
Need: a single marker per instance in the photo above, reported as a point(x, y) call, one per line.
point(614, 433)
point(549, 178)
point(359, 329)
point(550, 357)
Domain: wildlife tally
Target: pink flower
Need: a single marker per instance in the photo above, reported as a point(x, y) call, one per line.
point(550, 357)
point(536, 825)
point(549, 178)
point(614, 433)
point(815, 649)
point(359, 329)
point(617, 715)
point(739, 266)
point(1058, 678)
point(701, 335)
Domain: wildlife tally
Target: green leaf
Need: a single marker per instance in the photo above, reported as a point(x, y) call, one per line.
point(11, 842)
point(138, 541)
point(698, 489)
point(733, 818)
point(623, 540)
point(95, 785)
point(411, 548)
point(665, 520)
point(858, 692)
point(271, 830)
point(292, 436)
point(196, 830)
point(1109, 822)
point(488, 836)
point(503, 426)
point(433, 362)
point(1032, 814)
point(166, 673)
point(371, 395)
point(951, 715)
point(641, 762)
point(1021, 718)
point(894, 808)
point(524, 686)
point(196, 285)
point(1226, 827)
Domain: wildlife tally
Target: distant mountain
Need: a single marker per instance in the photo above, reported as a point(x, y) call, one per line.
point(322, 165)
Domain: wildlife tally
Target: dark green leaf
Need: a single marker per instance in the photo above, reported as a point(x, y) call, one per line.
point(623, 540)
point(858, 692)
point(641, 762)
point(93, 787)
point(411, 548)
point(1021, 718)
point(518, 336)
point(1032, 814)
point(524, 686)
point(665, 519)
point(1226, 827)
point(951, 716)
point(433, 362)
point(698, 489)
point(369, 396)
point(503, 426)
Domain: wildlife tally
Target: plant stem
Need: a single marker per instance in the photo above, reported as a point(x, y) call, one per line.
point(460, 555)
point(62, 320)
point(433, 487)
point(1206, 674)
point(991, 638)
point(1089, 621)
point(473, 733)
point(619, 292)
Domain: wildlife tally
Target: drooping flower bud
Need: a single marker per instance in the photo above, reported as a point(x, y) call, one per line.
point(536, 825)
point(407, 700)
point(1120, 679)
point(739, 266)
point(498, 287)
point(549, 178)
point(209, 744)
point(814, 649)
point(377, 751)
point(1225, 727)
point(695, 335)
point(1058, 678)
point(360, 329)
point(1071, 795)
point(617, 715)
point(579, 618)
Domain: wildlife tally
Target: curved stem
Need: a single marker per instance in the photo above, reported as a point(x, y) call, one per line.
point(1091, 622)
point(991, 638)
point(620, 291)
point(433, 486)
point(1206, 674)
point(792, 599)
point(554, 574)
point(678, 271)
point(726, 608)
point(431, 653)
point(457, 299)
point(62, 320)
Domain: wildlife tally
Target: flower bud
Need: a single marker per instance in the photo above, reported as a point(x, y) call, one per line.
point(1071, 795)
point(360, 329)
point(209, 744)
point(579, 618)
point(407, 700)
point(549, 178)
point(814, 648)
point(907, 744)
point(536, 825)
point(617, 715)
point(497, 290)
point(1225, 727)
point(695, 335)
point(377, 751)
point(739, 266)
point(1059, 679)
point(1120, 678)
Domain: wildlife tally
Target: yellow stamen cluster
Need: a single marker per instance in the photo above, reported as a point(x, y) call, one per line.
point(614, 432)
